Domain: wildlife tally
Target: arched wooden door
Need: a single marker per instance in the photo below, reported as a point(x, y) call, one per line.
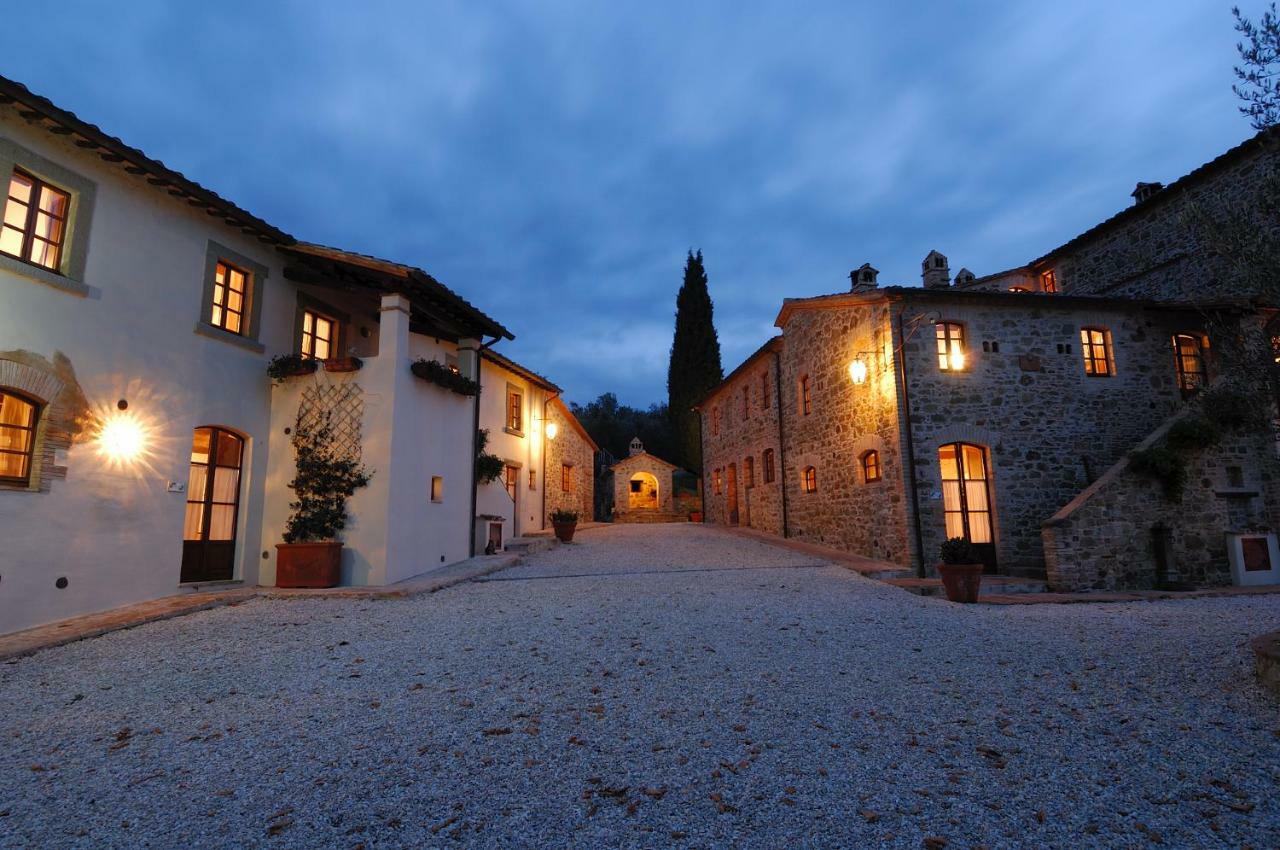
point(213, 504)
point(966, 498)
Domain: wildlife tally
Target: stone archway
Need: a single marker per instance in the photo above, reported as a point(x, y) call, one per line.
point(642, 494)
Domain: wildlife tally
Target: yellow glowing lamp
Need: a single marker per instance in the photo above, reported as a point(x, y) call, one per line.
point(122, 438)
point(956, 358)
point(552, 430)
point(858, 371)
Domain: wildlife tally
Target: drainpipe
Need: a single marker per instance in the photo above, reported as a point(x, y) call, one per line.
point(782, 451)
point(546, 401)
point(475, 437)
point(910, 447)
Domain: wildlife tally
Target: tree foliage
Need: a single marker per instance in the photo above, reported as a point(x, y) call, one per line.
point(695, 362)
point(489, 468)
point(1258, 75)
point(612, 425)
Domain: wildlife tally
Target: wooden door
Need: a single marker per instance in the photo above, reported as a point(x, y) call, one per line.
point(966, 499)
point(213, 504)
point(732, 484)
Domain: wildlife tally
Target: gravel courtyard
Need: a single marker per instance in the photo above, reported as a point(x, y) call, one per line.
point(650, 686)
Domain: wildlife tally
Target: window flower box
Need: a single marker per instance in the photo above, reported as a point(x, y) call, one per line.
point(343, 364)
point(441, 375)
point(290, 366)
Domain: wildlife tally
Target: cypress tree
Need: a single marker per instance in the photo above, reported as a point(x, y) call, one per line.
point(695, 362)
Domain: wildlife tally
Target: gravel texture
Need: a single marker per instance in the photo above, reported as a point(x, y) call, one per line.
point(650, 686)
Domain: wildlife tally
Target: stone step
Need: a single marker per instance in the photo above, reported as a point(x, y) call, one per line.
point(648, 516)
point(997, 584)
point(529, 545)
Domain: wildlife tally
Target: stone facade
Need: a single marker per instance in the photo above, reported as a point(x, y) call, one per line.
point(570, 468)
point(1104, 539)
point(742, 448)
point(655, 501)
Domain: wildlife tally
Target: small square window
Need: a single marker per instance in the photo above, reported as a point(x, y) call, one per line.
point(437, 488)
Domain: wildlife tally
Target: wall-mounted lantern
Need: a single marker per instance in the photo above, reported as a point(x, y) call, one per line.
point(858, 370)
point(552, 430)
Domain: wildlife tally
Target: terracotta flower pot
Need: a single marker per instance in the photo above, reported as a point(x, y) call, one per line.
point(564, 531)
point(343, 364)
point(695, 516)
point(961, 581)
point(309, 564)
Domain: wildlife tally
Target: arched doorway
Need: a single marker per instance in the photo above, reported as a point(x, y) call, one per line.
point(213, 503)
point(643, 493)
point(966, 498)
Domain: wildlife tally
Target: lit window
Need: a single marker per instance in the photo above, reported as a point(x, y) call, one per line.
point(1018, 289)
point(810, 479)
point(768, 473)
point(871, 466)
point(765, 400)
point(515, 409)
point(566, 478)
point(437, 488)
point(950, 346)
point(1095, 345)
point(1188, 356)
point(1048, 281)
point(717, 482)
point(510, 477)
point(230, 292)
point(806, 398)
point(17, 437)
point(35, 221)
point(319, 335)
point(533, 479)
point(749, 472)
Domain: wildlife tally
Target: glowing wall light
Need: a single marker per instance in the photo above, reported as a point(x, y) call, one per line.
point(552, 430)
point(858, 371)
point(122, 438)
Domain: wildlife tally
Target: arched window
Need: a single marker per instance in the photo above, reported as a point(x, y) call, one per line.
point(18, 417)
point(767, 460)
point(870, 466)
point(950, 346)
point(810, 479)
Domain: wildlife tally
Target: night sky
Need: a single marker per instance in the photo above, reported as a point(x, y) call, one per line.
point(554, 162)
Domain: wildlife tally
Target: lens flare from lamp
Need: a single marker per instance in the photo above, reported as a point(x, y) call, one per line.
point(552, 430)
point(122, 438)
point(858, 371)
point(957, 360)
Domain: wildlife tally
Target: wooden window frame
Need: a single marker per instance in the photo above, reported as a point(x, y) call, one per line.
point(1097, 365)
point(32, 431)
point(211, 466)
point(566, 478)
point(28, 230)
point(514, 410)
point(768, 474)
point(765, 400)
point(950, 340)
point(220, 323)
point(749, 472)
point(809, 479)
point(335, 340)
point(806, 396)
point(1190, 382)
point(511, 480)
point(1048, 281)
point(870, 462)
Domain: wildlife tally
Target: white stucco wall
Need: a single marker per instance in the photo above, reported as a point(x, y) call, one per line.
point(522, 450)
point(116, 535)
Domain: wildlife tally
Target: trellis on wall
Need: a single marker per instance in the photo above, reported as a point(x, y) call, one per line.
point(342, 404)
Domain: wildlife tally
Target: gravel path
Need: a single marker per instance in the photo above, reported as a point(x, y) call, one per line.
point(650, 687)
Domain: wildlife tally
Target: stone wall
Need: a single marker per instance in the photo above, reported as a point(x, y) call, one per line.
point(1105, 539)
point(1159, 250)
point(570, 448)
point(643, 462)
point(845, 420)
point(741, 438)
point(1047, 427)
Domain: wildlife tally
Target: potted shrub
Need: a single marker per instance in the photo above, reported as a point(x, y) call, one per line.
point(290, 366)
point(326, 477)
point(565, 523)
point(960, 570)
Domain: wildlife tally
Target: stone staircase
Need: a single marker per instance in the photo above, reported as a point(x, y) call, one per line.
point(649, 516)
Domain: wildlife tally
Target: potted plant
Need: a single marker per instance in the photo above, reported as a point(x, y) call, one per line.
point(565, 523)
point(326, 477)
point(961, 573)
point(290, 366)
point(695, 516)
point(443, 376)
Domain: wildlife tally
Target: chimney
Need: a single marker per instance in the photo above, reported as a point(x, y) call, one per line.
point(936, 271)
point(1145, 191)
point(964, 277)
point(863, 278)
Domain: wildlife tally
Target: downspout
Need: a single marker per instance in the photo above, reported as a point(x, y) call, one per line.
point(475, 438)
point(546, 401)
point(910, 447)
point(782, 443)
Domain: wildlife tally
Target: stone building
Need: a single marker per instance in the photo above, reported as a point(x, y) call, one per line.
point(570, 463)
point(1005, 410)
point(644, 488)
